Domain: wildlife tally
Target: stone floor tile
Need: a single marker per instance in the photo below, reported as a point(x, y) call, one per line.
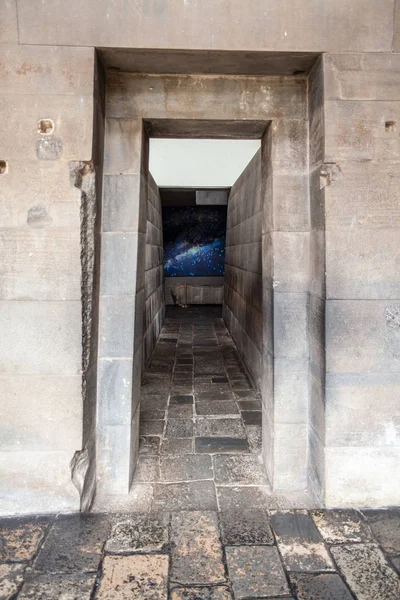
point(252, 417)
point(385, 525)
point(152, 415)
point(239, 469)
point(341, 526)
point(177, 446)
point(246, 527)
point(147, 469)
point(152, 428)
point(20, 537)
point(180, 411)
point(214, 395)
point(232, 428)
point(216, 407)
point(367, 572)
point(300, 542)
point(236, 497)
point(254, 437)
point(249, 405)
point(141, 577)
point(73, 544)
point(139, 500)
point(196, 552)
point(191, 467)
point(63, 586)
point(179, 428)
point(156, 402)
point(11, 577)
point(180, 399)
point(211, 445)
point(255, 571)
point(192, 495)
point(323, 586)
point(149, 445)
point(203, 593)
point(138, 533)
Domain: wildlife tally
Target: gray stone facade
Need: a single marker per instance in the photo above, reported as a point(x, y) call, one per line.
point(319, 83)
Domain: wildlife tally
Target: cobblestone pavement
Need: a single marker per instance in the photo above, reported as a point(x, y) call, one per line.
point(203, 555)
point(201, 522)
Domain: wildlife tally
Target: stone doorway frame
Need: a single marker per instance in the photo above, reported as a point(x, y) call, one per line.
point(139, 106)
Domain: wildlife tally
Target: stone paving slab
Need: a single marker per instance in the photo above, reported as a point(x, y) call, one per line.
point(204, 593)
point(11, 578)
point(256, 571)
point(63, 586)
point(21, 537)
point(341, 526)
point(139, 533)
point(367, 572)
point(385, 525)
point(246, 527)
point(196, 551)
point(326, 586)
point(134, 577)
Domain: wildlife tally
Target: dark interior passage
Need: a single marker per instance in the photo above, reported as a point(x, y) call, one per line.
point(200, 431)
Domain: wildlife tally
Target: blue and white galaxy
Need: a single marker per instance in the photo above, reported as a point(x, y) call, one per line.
point(194, 241)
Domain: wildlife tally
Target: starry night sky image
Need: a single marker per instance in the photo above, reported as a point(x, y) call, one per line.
point(194, 241)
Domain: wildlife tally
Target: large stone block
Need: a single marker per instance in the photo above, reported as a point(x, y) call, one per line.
point(357, 131)
point(290, 325)
point(41, 413)
point(72, 116)
point(290, 396)
point(113, 459)
point(122, 204)
point(119, 263)
point(357, 476)
point(123, 146)
point(362, 409)
point(291, 261)
point(116, 326)
point(34, 69)
point(362, 76)
point(362, 336)
point(9, 21)
point(366, 195)
point(38, 187)
point(199, 96)
point(289, 146)
point(316, 86)
point(362, 26)
point(36, 482)
point(115, 391)
point(40, 263)
point(40, 337)
point(362, 263)
point(290, 456)
point(289, 199)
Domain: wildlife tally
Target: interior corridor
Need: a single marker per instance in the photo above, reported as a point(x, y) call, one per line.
point(200, 431)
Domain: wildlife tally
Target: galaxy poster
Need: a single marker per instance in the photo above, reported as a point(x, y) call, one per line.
point(194, 241)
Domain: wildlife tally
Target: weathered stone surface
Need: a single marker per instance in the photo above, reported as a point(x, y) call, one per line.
point(11, 577)
point(192, 495)
point(227, 445)
point(176, 446)
point(196, 556)
point(186, 468)
point(327, 586)
point(139, 533)
point(48, 587)
point(385, 525)
point(123, 147)
point(214, 593)
point(300, 543)
point(239, 470)
point(131, 577)
point(341, 526)
point(147, 469)
point(20, 538)
point(216, 407)
point(219, 428)
point(179, 428)
point(245, 527)
point(238, 498)
point(74, 544)
point(367, 572)
point(256, 571)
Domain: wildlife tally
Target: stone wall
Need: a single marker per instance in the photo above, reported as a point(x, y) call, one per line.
point(40, 273)
point(362, 214)
point(154, 306)
point(242, 310)
point(171, 281)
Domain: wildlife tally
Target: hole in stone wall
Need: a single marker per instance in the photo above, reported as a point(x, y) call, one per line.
point(390, 125)
point(3, 167)
point(45, 126)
